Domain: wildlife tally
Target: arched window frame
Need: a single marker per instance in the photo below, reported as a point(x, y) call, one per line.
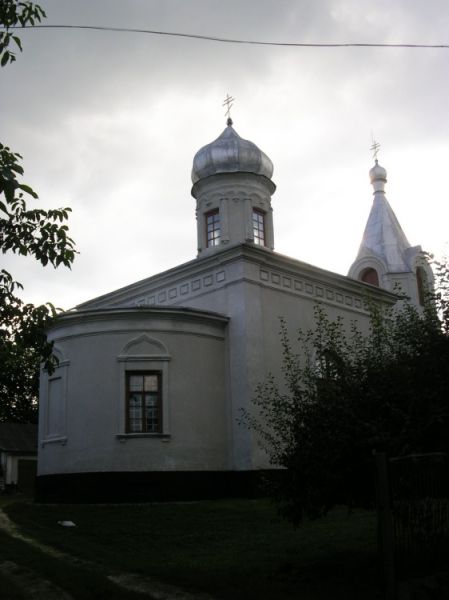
point(259, 227)
point(212, 223)
point(154, 359)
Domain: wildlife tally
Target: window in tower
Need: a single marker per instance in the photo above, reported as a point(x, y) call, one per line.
point(369, 275)
point(212, 228)
point(259, 227)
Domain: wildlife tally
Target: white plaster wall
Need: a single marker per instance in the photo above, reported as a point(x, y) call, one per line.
point(257, 294)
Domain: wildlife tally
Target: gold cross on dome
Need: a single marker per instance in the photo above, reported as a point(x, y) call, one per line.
point(375, 148)
point(229, 100)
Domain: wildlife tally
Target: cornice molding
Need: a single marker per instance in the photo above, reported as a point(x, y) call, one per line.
point(191, 279)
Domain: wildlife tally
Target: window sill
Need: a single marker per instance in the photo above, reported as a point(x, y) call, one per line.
point(123, 437)
point(54, 440)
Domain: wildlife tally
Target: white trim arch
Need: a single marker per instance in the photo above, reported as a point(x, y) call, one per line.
point(144, 345)
point(370, 262)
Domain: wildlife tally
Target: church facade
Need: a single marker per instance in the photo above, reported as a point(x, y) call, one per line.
point(146, 400)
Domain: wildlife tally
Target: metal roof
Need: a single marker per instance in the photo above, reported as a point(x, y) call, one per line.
point(230, 153)
point(383, 236)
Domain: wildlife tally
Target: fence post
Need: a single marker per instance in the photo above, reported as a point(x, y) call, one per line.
point(385, 524)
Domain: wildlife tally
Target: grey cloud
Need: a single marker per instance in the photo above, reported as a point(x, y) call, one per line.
point(109, 122)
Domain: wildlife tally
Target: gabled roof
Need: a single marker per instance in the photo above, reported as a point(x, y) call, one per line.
point(18, 437)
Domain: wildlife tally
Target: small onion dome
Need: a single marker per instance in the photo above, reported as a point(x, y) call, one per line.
point(378, 173)
point(230, 153)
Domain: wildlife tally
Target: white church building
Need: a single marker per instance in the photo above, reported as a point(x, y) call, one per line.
point(147, 398)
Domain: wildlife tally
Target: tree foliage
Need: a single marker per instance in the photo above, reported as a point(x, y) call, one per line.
point(26, 232)
point(23, 346)
point(13, 14)
point(346, 394)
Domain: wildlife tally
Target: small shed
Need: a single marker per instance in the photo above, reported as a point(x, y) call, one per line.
point(18, 456)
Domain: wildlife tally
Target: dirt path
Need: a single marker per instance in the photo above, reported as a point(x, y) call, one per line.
point(11, 529)
point(32, 585)
point(21, 576)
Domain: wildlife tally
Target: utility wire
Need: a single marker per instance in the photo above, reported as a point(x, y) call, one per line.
point(236, 41)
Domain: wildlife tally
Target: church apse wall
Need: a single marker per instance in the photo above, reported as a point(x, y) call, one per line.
point(168, 366)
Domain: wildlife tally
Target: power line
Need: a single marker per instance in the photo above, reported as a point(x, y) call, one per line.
point(236, 41)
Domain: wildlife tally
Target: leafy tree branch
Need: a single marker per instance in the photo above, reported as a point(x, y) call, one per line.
point(25, 231)
point(12, 14)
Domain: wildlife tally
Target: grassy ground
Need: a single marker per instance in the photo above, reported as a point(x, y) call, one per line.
point(231, 549)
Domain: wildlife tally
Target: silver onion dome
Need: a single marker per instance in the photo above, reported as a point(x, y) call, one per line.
point(230, 153)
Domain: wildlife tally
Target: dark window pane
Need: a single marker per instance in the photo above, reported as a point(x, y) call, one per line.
point(370, 276)
point(150, 383)
point(150, 400)
point(135, 383)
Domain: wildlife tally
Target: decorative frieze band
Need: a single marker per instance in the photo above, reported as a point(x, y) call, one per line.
point(307, 288)
point(301, 287)
point(176, 292)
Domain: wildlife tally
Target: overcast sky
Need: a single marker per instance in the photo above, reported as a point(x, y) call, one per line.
point(108, 124)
